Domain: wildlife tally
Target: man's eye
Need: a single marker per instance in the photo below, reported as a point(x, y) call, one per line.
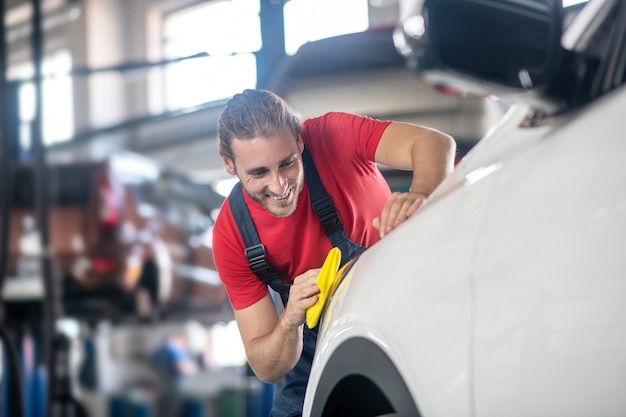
point(288, 164)
point(257, 174)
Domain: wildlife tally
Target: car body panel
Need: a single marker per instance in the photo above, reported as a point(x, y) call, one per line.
point(559, 317)
point(482, 330)
point(504, 294)
point(435, 304)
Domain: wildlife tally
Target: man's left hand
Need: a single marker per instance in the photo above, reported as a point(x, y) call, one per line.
point(399, 207)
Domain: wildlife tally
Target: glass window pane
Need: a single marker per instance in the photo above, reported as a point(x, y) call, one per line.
point(567, 3)
point(201, 80)
point(58, 116)
point(58, 101)
point(311, 20)
point(217, 28)
point(230, 32)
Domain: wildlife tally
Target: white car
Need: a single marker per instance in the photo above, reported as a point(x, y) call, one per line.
point(505, 295)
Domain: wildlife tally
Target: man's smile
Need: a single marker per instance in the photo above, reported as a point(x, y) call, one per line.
point(282, 197)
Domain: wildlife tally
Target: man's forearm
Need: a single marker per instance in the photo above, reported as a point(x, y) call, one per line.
point(432, 161)
point(273, 355)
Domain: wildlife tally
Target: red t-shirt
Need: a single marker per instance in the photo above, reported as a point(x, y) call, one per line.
point(342, 146)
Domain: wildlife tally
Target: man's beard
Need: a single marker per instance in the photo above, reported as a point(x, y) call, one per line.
point(278, 208)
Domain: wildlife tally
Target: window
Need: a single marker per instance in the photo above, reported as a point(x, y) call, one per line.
point(229, 32)
point(58, 102)
point(311, 20)
point(568, 3)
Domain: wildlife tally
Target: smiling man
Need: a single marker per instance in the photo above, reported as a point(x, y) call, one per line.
point(270, 171)
point(304, 188)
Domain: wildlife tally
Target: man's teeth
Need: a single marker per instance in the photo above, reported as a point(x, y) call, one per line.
point(281, 197)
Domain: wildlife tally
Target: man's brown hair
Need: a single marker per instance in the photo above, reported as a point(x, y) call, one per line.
point(253, 113)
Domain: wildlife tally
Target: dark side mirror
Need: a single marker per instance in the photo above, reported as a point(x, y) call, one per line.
point(483, 46)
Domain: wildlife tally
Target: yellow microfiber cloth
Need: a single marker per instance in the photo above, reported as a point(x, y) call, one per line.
point(327, 282)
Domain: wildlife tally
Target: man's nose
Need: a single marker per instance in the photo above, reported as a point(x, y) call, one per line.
point(277, 184)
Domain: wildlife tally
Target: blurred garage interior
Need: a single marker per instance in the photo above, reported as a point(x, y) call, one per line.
point(109, 118)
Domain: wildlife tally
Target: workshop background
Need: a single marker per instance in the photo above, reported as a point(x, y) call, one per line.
point(111, 181)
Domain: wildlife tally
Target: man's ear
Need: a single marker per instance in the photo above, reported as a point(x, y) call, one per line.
point(229, 165)
point(300, 144)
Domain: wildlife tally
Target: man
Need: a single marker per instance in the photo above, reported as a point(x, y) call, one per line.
point(263, 143)
point(173, 362)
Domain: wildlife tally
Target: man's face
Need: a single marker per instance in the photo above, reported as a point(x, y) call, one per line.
point(270, 170)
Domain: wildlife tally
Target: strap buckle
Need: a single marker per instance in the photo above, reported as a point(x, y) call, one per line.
point(256, 258)
point(325, 210)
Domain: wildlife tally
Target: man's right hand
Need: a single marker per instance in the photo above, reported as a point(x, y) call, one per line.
point(274, 344)
point(302, 295)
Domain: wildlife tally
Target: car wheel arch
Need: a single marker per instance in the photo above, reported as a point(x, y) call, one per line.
point(360, 379)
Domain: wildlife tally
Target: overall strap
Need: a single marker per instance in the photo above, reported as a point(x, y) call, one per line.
point(325, 209)
point(322, 204)
point(255, 251)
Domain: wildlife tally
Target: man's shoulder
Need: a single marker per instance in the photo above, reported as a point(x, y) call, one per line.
point(223, 213)
point(327, 128)
point(224, 222)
